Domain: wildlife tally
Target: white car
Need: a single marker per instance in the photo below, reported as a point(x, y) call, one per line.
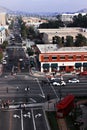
point(4, 62)
point(62, 83)
point(56, 84)
point(74, 80)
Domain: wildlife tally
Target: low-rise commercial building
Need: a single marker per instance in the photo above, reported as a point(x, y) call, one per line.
point(68, 59)
point(63, 32)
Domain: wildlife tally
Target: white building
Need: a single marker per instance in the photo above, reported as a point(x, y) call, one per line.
point(68, 17)
point(2, 34)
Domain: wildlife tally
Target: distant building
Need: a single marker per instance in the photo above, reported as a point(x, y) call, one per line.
point(2, 18)
point(63, 32)
point(33, 21)
point(66, 59)
point(68, 17)
point(2, 34)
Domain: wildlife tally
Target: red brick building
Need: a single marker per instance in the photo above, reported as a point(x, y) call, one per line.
point(67, 59)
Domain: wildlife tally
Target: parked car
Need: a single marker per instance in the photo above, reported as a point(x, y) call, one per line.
point(4, 62)
point(73, 80)
point(55, 78)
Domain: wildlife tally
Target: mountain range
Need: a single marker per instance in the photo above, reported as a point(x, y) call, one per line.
point(3, 9)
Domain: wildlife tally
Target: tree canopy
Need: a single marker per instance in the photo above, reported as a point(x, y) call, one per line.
point(79, 21)
point(52, 24)
point(80, 40)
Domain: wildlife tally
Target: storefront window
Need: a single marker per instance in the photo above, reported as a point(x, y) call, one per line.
point(62, 57)
point(46, 57)
point(85, 57)
point(54, 57)
point(78, 57)
point(70, 57)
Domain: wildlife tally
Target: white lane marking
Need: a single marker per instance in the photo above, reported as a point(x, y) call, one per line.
point(53, 89)
point(16, 116)
point(33, 119)
point(33, 100)
point(22, 126)
point(38, 115)
point(43, 95)
point(25, 115)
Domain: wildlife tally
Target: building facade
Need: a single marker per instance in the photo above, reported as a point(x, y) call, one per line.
point(67, 59)
point(2, 18)
point(2, 34)
point(68, 17)
point(63, 32)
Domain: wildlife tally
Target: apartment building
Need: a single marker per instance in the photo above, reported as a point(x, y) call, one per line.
point(68, 59)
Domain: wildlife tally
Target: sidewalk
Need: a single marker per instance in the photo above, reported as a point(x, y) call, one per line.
point(62, 124)
point(50, 106)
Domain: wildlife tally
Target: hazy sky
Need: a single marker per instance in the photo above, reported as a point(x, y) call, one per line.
point(44, 5)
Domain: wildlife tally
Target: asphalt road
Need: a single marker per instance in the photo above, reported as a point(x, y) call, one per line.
point(30, 119)
point(25, 88)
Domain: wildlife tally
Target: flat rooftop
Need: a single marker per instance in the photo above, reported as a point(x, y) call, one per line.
point(53, 48)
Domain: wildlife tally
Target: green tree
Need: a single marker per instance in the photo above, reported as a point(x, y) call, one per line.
point(69, 41)
point(31, 33)
point(1, 55)
point(23, 31)
point(4, 45)
point(52, 24)
point(30, 51)
point(80, 40)
point(79, 21)
point(11, 25)
point(57, 40)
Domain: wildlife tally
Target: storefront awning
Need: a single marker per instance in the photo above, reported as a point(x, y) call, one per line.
point(77, 65)
point(54, 65)
point(45, 65)
point(85, 64)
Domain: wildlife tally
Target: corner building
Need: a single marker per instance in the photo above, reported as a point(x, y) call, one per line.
point(64, 59)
